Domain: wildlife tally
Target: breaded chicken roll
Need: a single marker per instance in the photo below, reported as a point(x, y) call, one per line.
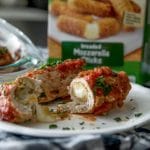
point(97, 91)
point(20, 100)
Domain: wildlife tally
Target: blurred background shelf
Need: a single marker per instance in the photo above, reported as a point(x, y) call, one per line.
point(30, 16)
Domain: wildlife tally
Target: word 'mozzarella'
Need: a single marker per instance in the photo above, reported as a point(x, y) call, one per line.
point(91, 53)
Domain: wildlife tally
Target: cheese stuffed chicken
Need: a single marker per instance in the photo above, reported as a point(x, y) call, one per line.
point(97, 91)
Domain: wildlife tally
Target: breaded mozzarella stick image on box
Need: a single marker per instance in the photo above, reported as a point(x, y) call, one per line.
point(61, 8)
point(123, 6)
point(136, 7)
point(95, 30)
point(91, 7)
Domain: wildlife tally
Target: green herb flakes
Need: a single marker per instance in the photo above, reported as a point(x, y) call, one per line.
point(66, 128)
point(53, 126)
point(51, 63)
point(103, 123)
point(3, 50)
point(82, 123)
point(138, 114)
point(100, 83)
point(127, 117)
point(118, 119)
point(98, 127)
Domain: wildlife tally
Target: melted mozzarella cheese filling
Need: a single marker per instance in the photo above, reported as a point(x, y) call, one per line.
point(25, 95)
point(79, 91)
point(82, 95)
point(92, 31)
point(28, 90)
point(43, 114)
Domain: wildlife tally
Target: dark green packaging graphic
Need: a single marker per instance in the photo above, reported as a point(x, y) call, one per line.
point(145, 68)
point(95, 53)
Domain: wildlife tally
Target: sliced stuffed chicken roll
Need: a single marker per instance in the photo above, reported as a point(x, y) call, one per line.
point(97, 91)
point(55, 79)
point(21, 100)
point(17, 101)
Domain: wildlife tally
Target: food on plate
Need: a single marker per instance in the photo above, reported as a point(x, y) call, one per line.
point(16, 106)
point(32, 96)
point(5, 56)
point(19, 100)
point(91, 7)
point(94, 30)
point(55, 79)
point(97, 91)
point(19, 106)
point(61, 8)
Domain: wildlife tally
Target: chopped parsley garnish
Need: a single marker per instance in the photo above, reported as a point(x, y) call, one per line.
point(118, 119)
point(53, 126)
point(100, 83)
point(131, 100)
point(82, 123)
point(98, 127)
point(51, 63)
point(127, 117)
point(54, 63)
point(3, 50)
point(66, 128)
point(103, 123)
point(138, 114)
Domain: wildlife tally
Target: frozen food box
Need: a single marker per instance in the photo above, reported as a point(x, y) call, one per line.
point(145, 67)
point(103, 32)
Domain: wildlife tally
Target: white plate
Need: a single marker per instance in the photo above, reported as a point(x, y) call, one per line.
point(138, 101)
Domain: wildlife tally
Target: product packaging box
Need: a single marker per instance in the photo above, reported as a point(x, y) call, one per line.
point(145, 67)
point(103, 32)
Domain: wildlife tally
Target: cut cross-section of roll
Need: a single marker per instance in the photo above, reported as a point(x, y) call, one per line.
point(97, 91)
point(17, 100)
point(21, 100)
point(55, 79)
